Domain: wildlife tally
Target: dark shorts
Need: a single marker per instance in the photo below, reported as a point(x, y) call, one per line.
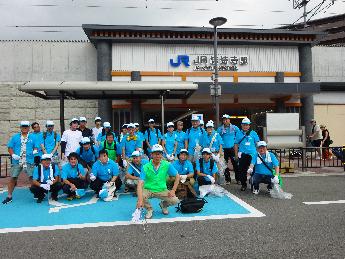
point(316, 143)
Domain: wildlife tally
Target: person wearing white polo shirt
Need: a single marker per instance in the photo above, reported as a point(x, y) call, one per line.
point(97, 129)
point(86, 132)
point(70, 139)
point(21, 149)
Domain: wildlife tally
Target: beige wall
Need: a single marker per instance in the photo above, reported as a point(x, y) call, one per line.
point(333, 116)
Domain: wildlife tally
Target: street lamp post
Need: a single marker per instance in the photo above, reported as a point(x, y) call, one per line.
point(216, 88)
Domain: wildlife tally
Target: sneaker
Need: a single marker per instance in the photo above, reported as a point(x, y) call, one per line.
point(126, 189)
point(243, 188)
point(54, 197)
point(256, 192)
point(70, 197)
point(149, 214)
point(164, 208)
point(7, 200)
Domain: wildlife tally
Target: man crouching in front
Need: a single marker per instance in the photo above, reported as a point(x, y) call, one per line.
point(152, 183)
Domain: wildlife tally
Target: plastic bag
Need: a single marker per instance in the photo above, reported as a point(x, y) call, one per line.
point(137, 216)
point(278, 193)
point(212, 189)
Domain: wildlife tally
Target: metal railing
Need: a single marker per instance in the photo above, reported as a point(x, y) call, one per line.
point(5, 164)
point(310, 157)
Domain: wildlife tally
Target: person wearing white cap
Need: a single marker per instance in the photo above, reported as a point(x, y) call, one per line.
point(50, 141)
point(135, 167)
point(181, 137)
point(206, 168)
point(70, 139)
point(97, 129)
point(266, 168)
point(87, 152)
point(153, 184)
point(130, 143)
point(102, 135)
point(245, 150)
point(86, 132)
point(46, 179)
point(169, 142)
point(194, 137)
point(74, 177)
point(21, 147)
point(152, 136)
point(228, 133)
point(212, 140)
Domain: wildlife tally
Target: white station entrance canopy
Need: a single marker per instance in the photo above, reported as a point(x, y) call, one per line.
point(109, 89)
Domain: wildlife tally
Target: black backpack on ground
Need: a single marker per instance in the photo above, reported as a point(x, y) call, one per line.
point(191, 205)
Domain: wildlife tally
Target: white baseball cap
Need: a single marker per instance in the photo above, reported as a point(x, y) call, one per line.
point(98, 119)
point(74, 120)
point(261, 144)
point(183, 150)
point(25, 123)
point(82, 119)
point(151, 121)
point(50, 123)
point(46, 156)
point(245, 121)
point(136, 124)
point(210, 124)
point(85, 140)
point(226, 116)
point(170, 124)
point(157, 148)
point(106, 124)
point(202, 122)
point(135, 153)
point(195, 117)
point(130, 125)
point(206, 150)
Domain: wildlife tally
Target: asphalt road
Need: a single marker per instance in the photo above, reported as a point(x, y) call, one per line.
point(290, 229)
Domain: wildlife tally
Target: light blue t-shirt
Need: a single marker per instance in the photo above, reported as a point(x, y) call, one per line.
point(155, 136)
point(207, 168)
point(194, 136)
point(131, 170)
point(37, 140)
point(50, 142)
point(247, 143)
point(260, 168)
point(101, 137)
point(15, 144)
point(141, 137)
point(170, 140)
point(87, 155)
point(207, 139)
point(130, 145)
point(183, 168)
point(105, 171)
point(46, 173)
point(171, 172)
point(228, 135)
point(72, 172)
point(181, 137)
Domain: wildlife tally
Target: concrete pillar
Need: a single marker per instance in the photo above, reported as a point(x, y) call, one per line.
point(305, 67)
point(104, 67)
point(280, 104)
point(136, 113)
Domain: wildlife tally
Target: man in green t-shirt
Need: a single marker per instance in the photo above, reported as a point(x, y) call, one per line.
point(152, 183)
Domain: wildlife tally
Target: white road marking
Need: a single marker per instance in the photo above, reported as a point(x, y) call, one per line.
point(324, 202)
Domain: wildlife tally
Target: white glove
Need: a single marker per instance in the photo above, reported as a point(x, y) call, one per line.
point(197, 148)
point(125, 164)
point(49, 182)
point(45, 186)
point(35, 152)
point(15, 157)
point(275, 179)
point(250, 170)
point(215, 157)
point(92, 177)
point(109, 184)
point(183, 178)
point(211, 179)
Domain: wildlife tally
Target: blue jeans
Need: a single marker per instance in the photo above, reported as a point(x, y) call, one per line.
point(261, 178)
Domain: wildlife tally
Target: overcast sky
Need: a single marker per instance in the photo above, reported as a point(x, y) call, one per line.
point(46, 19)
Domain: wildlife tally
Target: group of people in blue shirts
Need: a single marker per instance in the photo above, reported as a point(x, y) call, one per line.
point(96, 157)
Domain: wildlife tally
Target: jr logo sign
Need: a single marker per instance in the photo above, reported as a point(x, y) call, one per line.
point(184, 59)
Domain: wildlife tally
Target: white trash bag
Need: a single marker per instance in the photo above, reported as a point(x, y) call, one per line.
point(212, 189)
point(278, 193)
point(137, 216)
